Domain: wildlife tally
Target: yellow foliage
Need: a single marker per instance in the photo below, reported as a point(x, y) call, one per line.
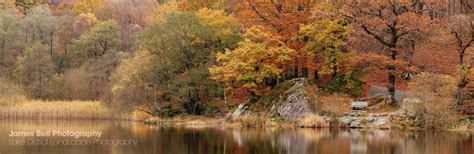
point(87, 6)
point(257, 57)
point(327, 37)
point(158, 13)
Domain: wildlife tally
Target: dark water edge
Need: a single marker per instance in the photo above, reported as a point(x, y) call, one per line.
point(117, 138)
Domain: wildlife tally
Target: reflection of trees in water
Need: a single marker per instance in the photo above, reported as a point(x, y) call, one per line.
point(178, 140)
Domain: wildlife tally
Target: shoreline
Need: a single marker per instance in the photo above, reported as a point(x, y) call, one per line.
point(221, 122)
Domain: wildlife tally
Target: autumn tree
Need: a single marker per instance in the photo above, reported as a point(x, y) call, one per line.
point(180, 47)
point(131, 17)
point(282, 18)
point(461, 28)
point(133, 87)
point(84, 22)
point(392, 24)
point(34, 69)
point(259, 57)
point(65, 35)
point(96, 52)
point(25, 5)
point(87, 6)
point(327, 37)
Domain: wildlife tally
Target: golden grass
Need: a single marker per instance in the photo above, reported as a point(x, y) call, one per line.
point(312, 121)
point(37, 109)
point(251, 121)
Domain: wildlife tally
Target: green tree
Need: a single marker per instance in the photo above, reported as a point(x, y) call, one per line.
point(8, 30)
point(39, 28)
point(95, 55)
point(98, 41)
point(34, 69)
point(181, 46)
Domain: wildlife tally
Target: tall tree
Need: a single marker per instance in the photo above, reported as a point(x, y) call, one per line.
point(282, 18)
point(182, 46)
point(96, 54)
point(392, 24)
point(98, 41)
point(34, 69)
point(461, 27)
point(257, 58)
point(8, 30)
point(326, 38)
point(38, 27)
point(87, 6)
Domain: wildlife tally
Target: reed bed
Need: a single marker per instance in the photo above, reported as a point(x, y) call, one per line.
point(37, 109)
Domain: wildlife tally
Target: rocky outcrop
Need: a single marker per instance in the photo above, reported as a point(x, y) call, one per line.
point(238, 112)
point(289, 100)
point(295, 102)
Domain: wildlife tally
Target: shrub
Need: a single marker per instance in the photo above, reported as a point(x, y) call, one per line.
point(10, 93)
point(436, 92)
point(342, 84)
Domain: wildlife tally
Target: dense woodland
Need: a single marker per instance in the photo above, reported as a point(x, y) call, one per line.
point(166, 57)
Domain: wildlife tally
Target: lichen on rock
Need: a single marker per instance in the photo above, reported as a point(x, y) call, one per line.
point(295, 102)
point(289, 100)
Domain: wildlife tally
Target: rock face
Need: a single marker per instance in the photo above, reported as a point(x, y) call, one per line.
point(296, 103)
point(239, 111)
point(289, 100)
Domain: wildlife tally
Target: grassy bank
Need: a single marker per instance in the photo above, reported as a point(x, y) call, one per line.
point(37, 109)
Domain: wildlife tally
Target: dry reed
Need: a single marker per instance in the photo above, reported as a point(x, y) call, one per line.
point(37, 109)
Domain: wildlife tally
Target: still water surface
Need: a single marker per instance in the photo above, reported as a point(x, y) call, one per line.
point(129, 137)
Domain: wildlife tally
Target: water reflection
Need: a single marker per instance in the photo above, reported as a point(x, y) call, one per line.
point(179, 140)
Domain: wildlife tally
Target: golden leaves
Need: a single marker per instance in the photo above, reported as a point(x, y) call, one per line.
point(258, 57)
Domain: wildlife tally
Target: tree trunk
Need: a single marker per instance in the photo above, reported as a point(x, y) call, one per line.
point(334, 70)
point(226, 106)
point(459, 94)
point(51, 44)
point(392, 79)
point(3, 53)
point(295, 72)
point(461, 56)
point(304, 72)
point(316, 75)
point(463, 81)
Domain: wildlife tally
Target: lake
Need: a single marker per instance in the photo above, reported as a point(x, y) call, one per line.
point(82, 137)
